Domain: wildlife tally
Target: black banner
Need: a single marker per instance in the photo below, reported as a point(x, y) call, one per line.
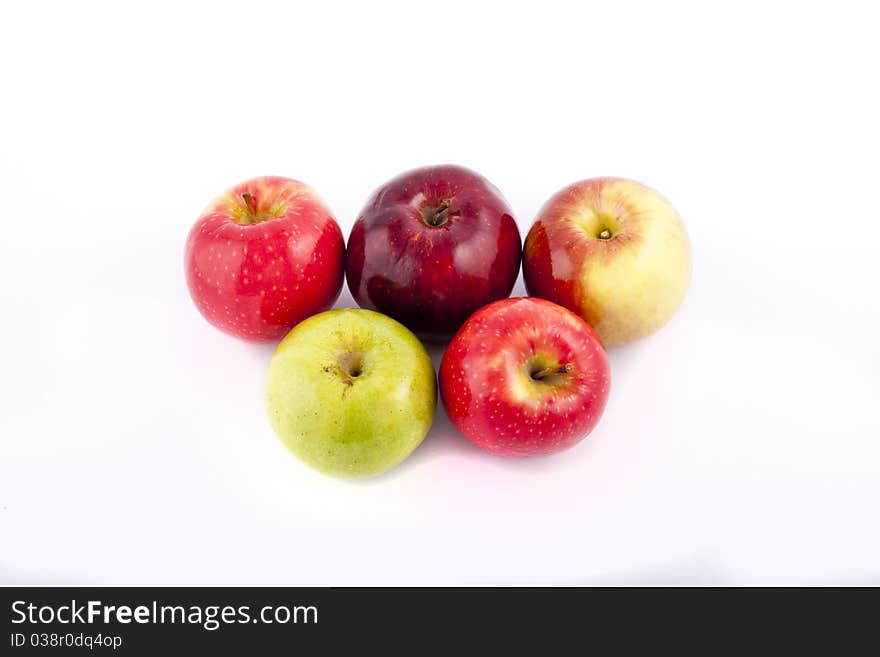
point(268, 621)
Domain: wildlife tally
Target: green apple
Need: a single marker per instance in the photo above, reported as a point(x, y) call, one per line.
point(351, 392)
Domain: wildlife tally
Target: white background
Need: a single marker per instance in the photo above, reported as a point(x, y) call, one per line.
point(741, 444)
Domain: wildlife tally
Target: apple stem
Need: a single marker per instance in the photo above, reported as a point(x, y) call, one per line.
point(550, 371)
point(250, 202)
point(439, 216)
point(605, 234)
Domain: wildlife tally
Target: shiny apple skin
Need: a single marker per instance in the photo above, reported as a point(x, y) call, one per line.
point(626, 287)
point(256, 281)
point(487, 384)
point(432, 278)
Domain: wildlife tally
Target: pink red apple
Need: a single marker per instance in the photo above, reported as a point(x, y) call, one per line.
point(262, 257)
point(524, 377)
point(612, 250)
point(432, 246)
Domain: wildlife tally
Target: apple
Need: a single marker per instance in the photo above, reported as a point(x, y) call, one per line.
point(524, 377)
point(612, 250)
point(262, 257)
point(351, 392)
point(431, 246)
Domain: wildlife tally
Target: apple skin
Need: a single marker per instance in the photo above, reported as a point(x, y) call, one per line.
point(627, 285)
point(263, 256)
point(524, 377)
point(432, 278)
point(351, 392)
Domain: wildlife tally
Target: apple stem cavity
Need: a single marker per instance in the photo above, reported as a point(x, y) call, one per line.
point(437, 216)
point(549, 374)
point(249, 216)
point(605, 234)
point(351, 365)
point(251, 213)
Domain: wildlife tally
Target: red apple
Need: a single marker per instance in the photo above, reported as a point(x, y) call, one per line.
point(524, 377)
point(262, 257)
point(612, 250)
point(432, 246)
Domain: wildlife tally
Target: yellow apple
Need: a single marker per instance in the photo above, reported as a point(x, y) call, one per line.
point(612, 250)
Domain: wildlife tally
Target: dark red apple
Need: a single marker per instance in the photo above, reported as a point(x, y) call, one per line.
point(262, 257)
point(432, 246)
point(524, 377)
